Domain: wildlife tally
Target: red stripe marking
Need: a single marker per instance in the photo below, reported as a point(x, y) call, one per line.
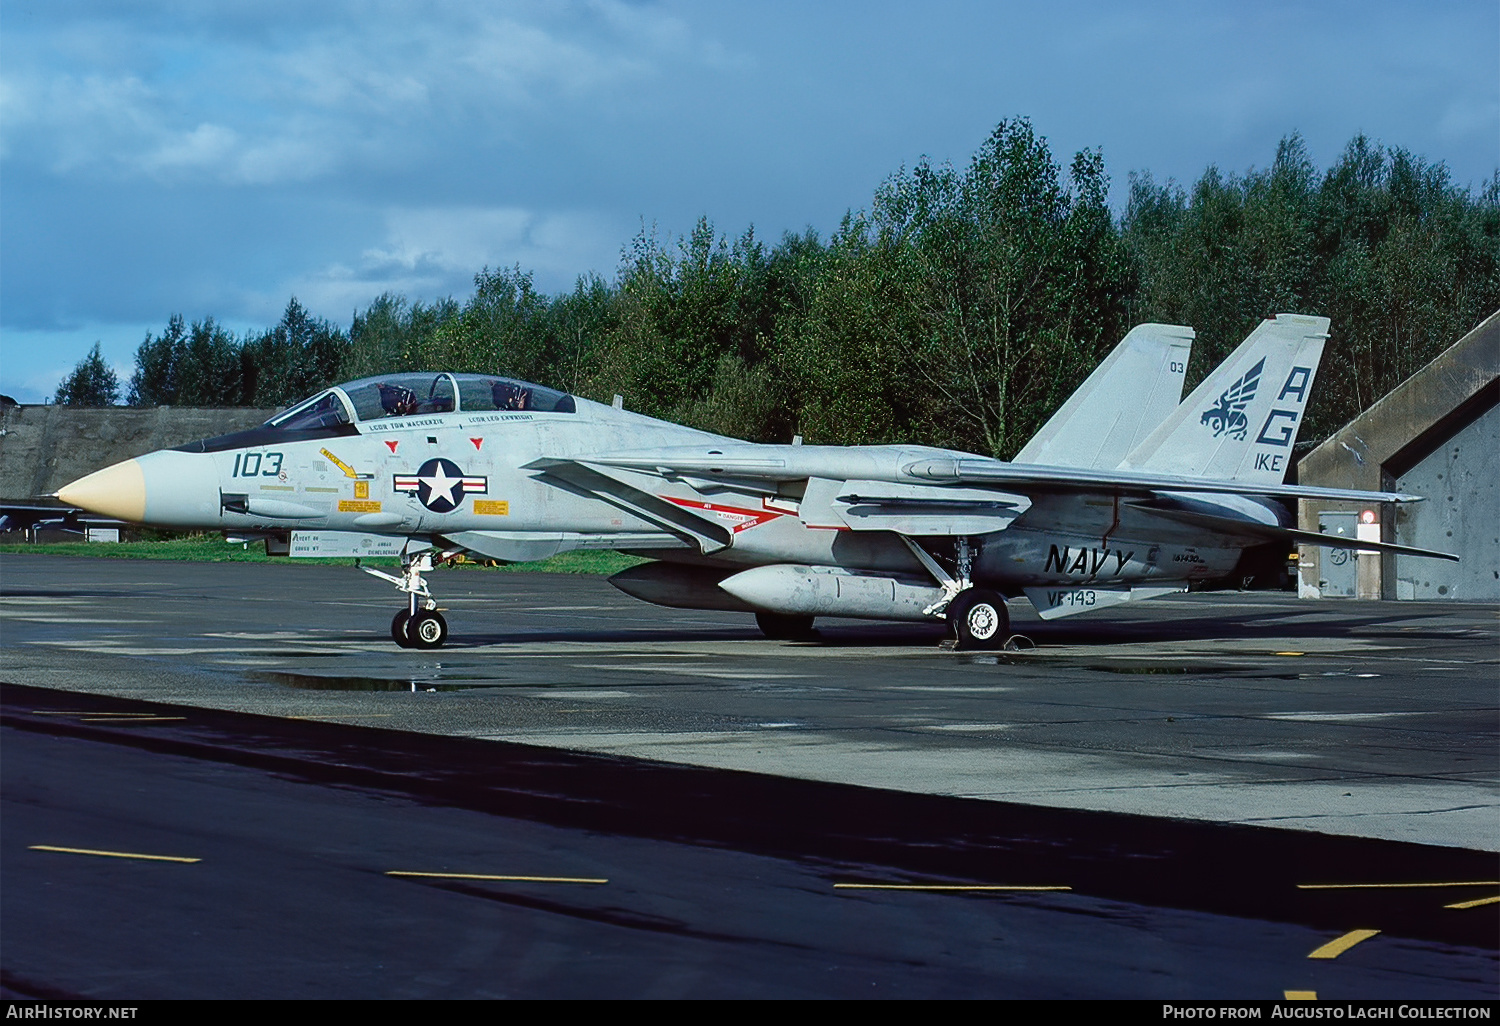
point(754, 517)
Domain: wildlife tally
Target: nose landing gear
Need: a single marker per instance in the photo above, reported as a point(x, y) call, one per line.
point(419, 625)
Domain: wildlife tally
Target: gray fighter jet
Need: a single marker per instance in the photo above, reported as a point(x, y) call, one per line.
point(1125, 494)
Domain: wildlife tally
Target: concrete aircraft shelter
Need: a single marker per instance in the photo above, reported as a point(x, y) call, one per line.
point(1437, 435)
point(42, 448)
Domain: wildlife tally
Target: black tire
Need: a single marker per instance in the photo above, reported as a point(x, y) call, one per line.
point(979, 619)
point(785, 626)
point(398, 629)
point(427, 629)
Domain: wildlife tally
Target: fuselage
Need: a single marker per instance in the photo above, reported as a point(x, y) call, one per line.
point(434, 456)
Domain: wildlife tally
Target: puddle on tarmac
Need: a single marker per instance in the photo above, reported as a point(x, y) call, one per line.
point(317, 682)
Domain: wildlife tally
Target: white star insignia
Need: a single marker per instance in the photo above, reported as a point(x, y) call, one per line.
point(440, 485)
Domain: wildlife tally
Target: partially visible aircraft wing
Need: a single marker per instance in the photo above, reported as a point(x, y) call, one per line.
point(920, 465)
point(621, 486)
point(19, 516)
point(1123, 482)
point(1127, 397)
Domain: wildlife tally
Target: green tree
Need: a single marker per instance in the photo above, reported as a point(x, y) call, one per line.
point(502, 329)
point(1400, 261)
point(158, 361)
point(209, 368)
point(968, 303)
point(299, 356)
point(394, 335)
point(92, 383)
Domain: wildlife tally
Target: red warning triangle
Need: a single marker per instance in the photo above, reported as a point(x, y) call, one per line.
point(477, 442)
point(392, 445)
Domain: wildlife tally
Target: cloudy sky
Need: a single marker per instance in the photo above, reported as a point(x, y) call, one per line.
point(212, 159)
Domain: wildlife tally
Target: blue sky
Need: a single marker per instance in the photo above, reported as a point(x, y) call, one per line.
point(214, 159)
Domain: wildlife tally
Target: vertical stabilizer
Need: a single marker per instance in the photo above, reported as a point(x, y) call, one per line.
point(1241, 422)
point(1124, 400)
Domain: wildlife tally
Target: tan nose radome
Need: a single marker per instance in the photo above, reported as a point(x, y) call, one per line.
point(118, 491)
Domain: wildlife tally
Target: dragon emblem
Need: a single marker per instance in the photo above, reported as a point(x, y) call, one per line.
point(1227, 417)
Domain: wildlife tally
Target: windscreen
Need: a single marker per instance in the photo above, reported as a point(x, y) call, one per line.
point(325, 410)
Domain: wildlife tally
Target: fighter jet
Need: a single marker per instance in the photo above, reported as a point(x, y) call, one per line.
point(1125, 494)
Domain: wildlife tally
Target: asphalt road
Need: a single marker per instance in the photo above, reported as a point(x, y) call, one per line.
point(155, 851)
point(1175, 766)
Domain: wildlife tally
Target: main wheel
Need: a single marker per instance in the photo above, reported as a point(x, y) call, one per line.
point(398, 629)
point(427, 629)
point(785, 626)
point(979, 619)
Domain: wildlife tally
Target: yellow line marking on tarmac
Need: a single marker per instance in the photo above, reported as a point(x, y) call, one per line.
point(1335, 948)
point(491, 876)
point(113, 854)
point(1476, 902)
point(1362, 886)
point(127, 719)
point(940, 887)
point(80, 712)
point(1299, 995)
point(1289, 653)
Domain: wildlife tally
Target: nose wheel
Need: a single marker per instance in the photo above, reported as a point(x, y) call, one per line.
point(419, 625)
point(427, 629)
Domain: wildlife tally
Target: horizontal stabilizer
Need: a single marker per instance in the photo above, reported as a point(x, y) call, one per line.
point(1271, 532)
point(1054, 603)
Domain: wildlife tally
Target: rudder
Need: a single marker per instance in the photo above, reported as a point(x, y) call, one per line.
point(1241, 422)
point(1126, 397)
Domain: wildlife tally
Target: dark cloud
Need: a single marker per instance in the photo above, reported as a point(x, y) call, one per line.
point(212, 160)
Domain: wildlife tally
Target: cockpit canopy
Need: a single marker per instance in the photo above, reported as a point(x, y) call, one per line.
point(338, 410)
point(413, 395)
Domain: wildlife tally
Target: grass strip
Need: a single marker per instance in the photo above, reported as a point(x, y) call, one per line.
point(213, 549)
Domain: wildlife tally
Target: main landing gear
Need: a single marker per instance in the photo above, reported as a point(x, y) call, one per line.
point(976, 616)
point(978, 619)
point(419, 625)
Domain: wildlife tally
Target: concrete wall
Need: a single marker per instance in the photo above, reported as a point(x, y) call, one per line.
point(1461, 479)
point(42, 448)
point(1437, 435)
